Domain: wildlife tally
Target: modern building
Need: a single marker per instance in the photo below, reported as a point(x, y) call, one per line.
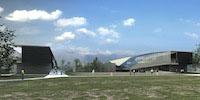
point(34, 59)
point(166, 61)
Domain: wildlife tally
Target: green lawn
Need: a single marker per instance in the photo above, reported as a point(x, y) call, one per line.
point(103, 88)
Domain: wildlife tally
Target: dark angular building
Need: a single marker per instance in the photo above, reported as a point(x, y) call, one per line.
point(166, 61)
point(35, 59)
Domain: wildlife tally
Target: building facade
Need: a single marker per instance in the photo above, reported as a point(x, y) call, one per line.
point(35, 59)
point(166, 61)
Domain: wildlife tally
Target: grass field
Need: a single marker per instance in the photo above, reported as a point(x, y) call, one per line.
point(105, 88)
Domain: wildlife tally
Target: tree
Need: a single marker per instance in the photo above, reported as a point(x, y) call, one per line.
point(108, 67)
point(62, 64)
point(6, 48)
point(78, 65)
point(87, 67)
point(69, 67)
point(97, 65)
point(196, 55)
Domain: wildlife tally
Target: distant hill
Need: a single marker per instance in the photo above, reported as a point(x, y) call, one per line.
point(70, 56)
point(103, 58)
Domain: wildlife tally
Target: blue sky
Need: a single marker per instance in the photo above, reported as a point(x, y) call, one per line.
point(105, 26)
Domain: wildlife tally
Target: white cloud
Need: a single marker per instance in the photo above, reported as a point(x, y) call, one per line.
point(192, 35)
point(107, 32)
point(74, 21)
point(86, 32)
point(109, 41)
point(25, 15)
point(79, 50)
point(65, 36)
point(1, 10)
point(129, 22)
point(158, 30)
point(86, 50)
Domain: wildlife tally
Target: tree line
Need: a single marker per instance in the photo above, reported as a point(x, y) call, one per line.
point(78, 66)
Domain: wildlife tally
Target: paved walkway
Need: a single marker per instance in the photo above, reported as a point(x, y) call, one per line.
point(192, 74)
point(14, 80)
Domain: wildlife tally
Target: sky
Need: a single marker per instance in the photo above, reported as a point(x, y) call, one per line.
point(104, 26)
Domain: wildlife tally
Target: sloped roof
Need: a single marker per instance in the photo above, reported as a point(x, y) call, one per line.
point(120, 61)
point(17, 52)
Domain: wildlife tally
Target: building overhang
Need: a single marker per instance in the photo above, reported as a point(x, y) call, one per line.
point(120, 61)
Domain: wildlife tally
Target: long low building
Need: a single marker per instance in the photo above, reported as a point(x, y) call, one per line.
point(34, 59)
point(166, 61)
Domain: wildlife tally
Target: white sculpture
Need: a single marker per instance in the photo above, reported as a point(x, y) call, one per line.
point(55, 73)
point(93, 71)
